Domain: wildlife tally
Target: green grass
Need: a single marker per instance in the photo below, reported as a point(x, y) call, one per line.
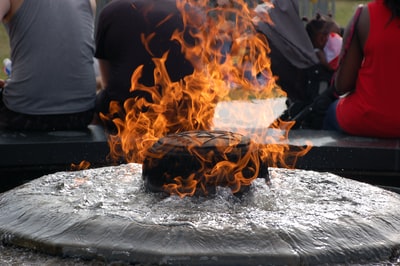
point(344, 11)
point(4, 49)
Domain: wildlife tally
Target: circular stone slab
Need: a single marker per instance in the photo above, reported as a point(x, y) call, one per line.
point(303, 217)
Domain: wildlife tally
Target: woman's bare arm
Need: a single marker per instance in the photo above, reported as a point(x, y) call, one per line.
point(104, 67)
point(347, 72)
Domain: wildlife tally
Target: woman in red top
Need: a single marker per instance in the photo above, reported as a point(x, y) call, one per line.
point(368, 75)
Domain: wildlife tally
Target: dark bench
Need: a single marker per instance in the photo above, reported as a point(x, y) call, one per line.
point(27, 155)
point(372, 160)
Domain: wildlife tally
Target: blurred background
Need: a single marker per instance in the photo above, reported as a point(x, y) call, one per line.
point(341, 11)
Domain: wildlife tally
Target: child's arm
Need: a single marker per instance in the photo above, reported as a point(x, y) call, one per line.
point(322, 59)
point(5, 6)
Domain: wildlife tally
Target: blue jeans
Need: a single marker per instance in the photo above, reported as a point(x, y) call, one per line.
point(330, 120)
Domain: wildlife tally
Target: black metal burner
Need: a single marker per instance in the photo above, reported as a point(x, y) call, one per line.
point(179, 159)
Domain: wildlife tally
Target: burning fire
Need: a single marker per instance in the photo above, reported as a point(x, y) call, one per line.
point(231, 63)
point(81, 166)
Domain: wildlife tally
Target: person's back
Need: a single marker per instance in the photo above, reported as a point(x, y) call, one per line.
point(122, 27)
point(371, 108)
point(52, 50)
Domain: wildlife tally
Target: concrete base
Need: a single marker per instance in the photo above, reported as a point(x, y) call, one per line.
point(302, 218)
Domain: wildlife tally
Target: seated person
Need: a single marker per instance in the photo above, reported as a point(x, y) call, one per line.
point(367, 74)
point(52, 85)
point(326, 41)
point(122, 26)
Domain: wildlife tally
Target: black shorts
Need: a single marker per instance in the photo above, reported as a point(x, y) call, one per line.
point(18, 121)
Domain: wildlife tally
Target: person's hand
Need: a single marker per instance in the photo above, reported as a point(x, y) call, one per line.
point(2, 83)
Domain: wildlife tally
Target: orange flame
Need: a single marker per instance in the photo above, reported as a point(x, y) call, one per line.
point(231, 63)
point(81, 166)
point(225, 172)
point(210, 159)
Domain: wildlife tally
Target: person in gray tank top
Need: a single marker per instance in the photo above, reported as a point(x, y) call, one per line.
point(52, 85)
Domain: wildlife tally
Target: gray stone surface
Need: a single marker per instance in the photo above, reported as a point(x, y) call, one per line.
point(303, 217)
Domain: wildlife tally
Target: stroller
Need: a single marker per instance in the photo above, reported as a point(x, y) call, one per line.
point(293, 60)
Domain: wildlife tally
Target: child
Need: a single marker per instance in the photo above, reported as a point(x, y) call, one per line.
point(327, 43)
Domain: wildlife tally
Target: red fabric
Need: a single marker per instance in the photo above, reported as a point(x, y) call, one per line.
point(334, 63)
point(373, 109)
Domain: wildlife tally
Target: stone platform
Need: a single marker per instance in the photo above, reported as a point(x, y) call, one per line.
point(28, 155)
point(299, 218)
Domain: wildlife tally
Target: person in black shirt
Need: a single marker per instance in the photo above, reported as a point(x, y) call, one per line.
point(122, 27)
